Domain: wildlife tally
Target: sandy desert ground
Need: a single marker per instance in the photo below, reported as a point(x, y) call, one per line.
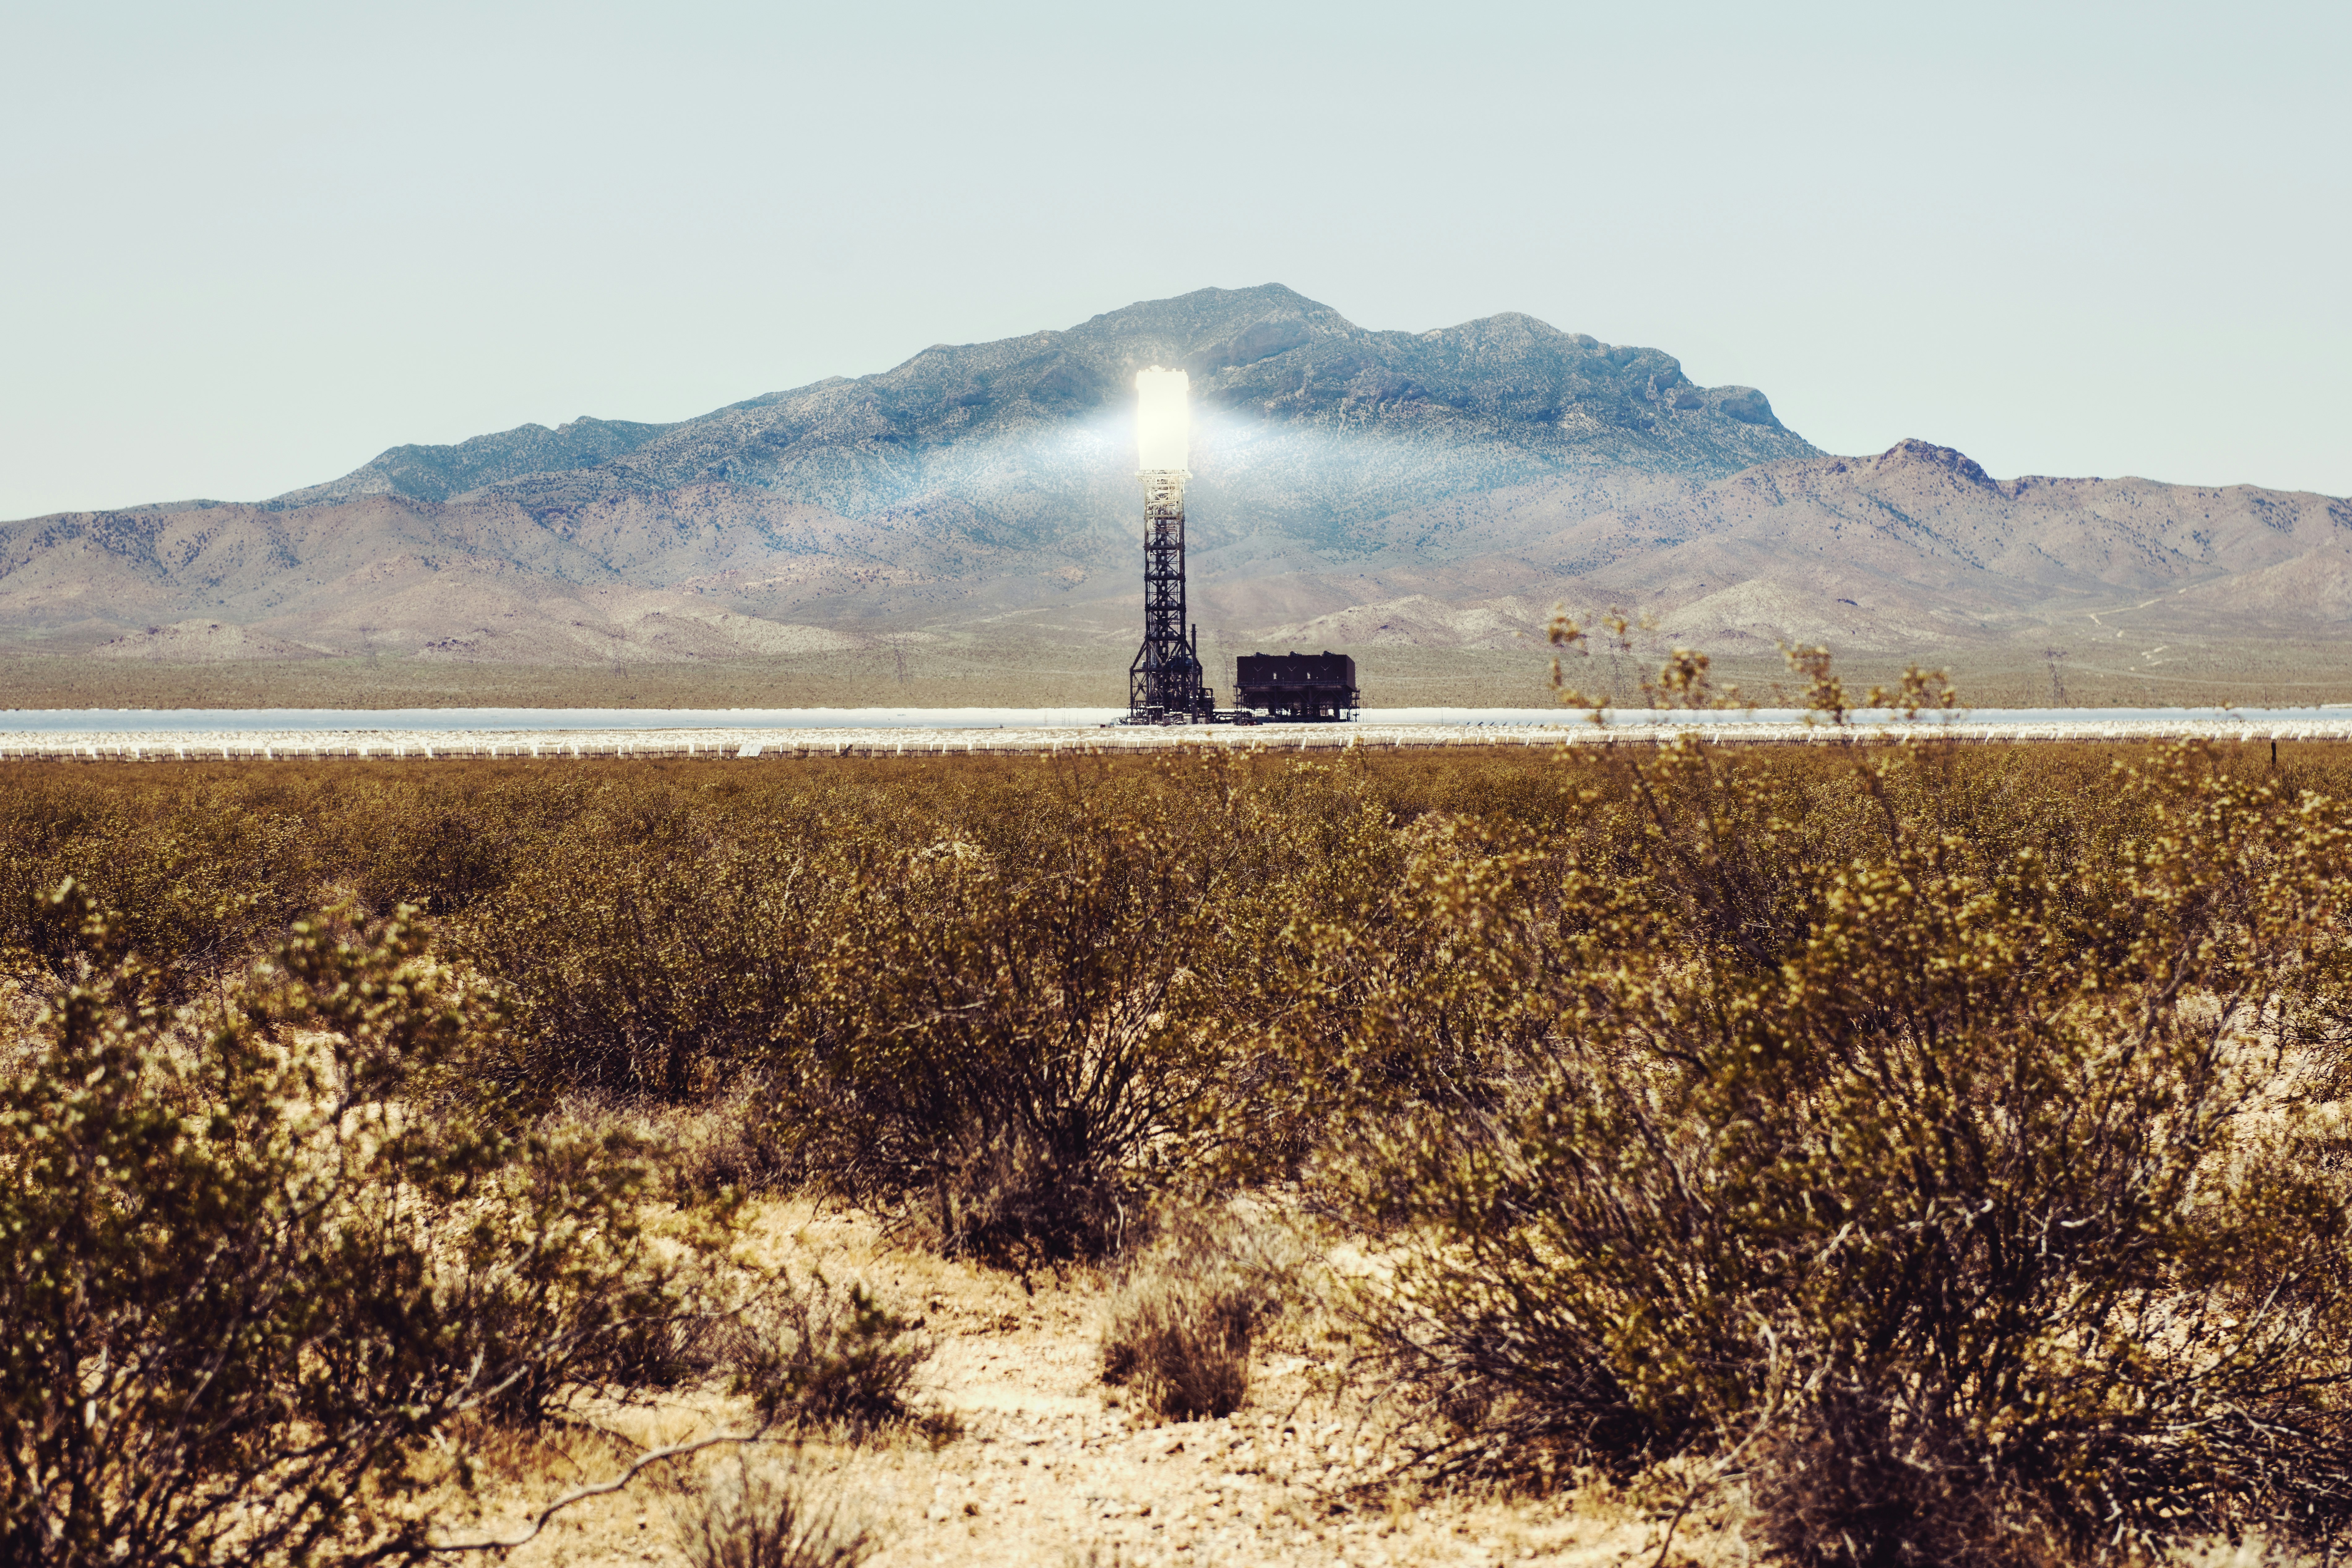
point(1052, 1466)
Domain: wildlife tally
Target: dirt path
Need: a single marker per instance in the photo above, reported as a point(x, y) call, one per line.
point(1053, 1468)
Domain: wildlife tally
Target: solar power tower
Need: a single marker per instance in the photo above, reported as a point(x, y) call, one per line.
point(1165, 684)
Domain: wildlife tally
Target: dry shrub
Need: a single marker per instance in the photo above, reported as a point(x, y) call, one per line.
point(245, 1278)
point(655, 962)
point(1184, 1343)
point(1181, 1323)
point(755, 1515)
point(819, 1356)
point(984, 994)
point(1975, 1210)
point(722, 1146)
point(1000, 1055)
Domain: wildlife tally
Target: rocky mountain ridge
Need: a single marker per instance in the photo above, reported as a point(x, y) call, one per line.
point(1436, 489)
point(1915, 549)
point(1914, 552)
point(1307, 423)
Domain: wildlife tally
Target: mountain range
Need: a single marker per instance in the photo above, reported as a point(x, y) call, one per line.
point(1352, 487)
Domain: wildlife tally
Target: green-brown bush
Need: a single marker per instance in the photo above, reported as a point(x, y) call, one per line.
point(245, 1271)
point(1010, 1055)
point(1984, 1213)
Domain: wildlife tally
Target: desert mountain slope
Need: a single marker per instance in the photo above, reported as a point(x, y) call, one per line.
point(382, 573)
point(1914, 549)
point(971, 480)
point(1439, 489)
point(436, 473)
point(1308, 422)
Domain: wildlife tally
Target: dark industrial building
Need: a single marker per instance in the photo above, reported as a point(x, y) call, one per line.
point(1297, 685)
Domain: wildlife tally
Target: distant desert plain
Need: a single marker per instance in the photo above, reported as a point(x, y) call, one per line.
point(962, 530)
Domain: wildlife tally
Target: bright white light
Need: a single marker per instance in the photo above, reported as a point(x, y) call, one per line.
point(1163, 419)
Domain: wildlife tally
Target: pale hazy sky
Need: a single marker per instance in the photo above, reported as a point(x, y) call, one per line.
point(246, 246)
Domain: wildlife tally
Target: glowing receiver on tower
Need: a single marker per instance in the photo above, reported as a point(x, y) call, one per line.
point(1163, 684)
point(1163, 420)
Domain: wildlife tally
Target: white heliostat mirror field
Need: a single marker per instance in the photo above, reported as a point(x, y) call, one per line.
point(1163, 420)
point(552, 733)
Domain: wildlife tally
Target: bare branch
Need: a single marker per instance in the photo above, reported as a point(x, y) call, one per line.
point(601, 1489)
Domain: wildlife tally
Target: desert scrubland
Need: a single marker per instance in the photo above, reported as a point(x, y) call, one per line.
point(1862, 1154)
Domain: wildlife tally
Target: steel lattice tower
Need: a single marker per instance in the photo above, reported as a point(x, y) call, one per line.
point(1164, 682)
